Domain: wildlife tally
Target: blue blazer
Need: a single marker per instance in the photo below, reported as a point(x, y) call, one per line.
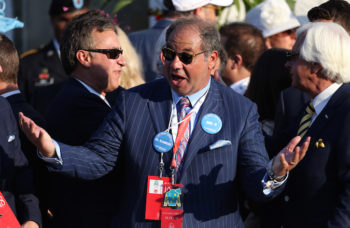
point(16, 179)
point(211, 178)
point(318, 190)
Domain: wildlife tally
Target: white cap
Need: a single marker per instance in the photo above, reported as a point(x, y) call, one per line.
point(187, 5)
point(272, 17)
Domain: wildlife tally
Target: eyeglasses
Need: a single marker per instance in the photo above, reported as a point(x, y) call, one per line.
point(292, 55)
point(185, 57)
point(111, 53)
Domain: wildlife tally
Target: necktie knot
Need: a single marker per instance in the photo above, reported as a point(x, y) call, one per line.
point(185, 105)
point(310, 108)
point(306, 120)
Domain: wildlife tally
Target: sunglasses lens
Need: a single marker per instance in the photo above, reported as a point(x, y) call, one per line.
point(114, 53)
point(186, 58)
point(168, 54)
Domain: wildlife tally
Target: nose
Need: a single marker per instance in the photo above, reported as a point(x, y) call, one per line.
point(121, 60)
point(176, 63)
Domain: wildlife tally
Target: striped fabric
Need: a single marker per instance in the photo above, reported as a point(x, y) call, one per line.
point(306, 120)
point(185, 107)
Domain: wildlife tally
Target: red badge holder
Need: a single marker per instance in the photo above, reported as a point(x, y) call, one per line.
point(7, 218)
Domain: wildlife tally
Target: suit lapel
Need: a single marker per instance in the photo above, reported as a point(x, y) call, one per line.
point(199, 138)
point(329, 110)
point(159, 105)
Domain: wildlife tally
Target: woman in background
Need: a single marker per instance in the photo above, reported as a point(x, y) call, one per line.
point(269, 77)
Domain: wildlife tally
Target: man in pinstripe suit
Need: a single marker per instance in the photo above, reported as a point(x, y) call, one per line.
point(214, 165)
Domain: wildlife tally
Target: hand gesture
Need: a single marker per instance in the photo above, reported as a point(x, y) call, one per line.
point(290, 156)
point(37, 135)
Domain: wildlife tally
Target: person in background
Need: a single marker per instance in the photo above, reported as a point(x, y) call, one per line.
point(41, 74)
point(16, 178)
point(276, 21)
point(132, 73)
point(9, 61)
point(243, 44)
point(292, 101)
point(317, 193)
point(269, 77)
point(92, 54)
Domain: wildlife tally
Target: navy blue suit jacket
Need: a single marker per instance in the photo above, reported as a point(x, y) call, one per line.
point(211, 178)
point(318, 190)
point(16, 178)
point(73, 115)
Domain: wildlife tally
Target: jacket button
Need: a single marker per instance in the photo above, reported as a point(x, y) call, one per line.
point(286, 199)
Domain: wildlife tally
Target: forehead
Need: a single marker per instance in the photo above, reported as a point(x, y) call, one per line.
point(185, 38)
point(105, 39)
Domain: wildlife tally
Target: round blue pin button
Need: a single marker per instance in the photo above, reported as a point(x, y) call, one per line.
point(163, 142)
point(211, 123)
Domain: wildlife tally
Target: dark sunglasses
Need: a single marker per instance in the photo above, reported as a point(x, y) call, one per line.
point(111, 53)
point(292, 55)
point(185, 57)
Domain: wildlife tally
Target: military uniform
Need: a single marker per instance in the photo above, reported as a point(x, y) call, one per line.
point(39, 68)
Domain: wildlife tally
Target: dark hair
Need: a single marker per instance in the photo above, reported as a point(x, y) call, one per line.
point(269, 77)
point(207, 31)
point(245, 40)
point(337, 11)
point(78, 36)
point(9, 60)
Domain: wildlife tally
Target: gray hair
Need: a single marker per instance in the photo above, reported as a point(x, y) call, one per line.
point(327, 44)
point(207, 31)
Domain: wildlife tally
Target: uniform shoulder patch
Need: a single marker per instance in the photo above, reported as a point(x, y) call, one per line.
point(30, 52)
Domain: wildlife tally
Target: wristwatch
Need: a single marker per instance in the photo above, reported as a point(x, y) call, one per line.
point(271, 173)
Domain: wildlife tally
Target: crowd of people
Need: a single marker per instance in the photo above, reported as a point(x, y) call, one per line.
point(182, 124)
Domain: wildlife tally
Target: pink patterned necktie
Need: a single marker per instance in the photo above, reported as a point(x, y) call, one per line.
point(185, 107)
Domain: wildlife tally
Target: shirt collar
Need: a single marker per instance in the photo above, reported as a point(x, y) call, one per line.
point(241, 85)
point(91, 90)
point(5, 95)
point(57, 46)
point(194, 97)
point(321, 100)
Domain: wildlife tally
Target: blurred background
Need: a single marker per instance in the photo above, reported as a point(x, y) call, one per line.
point(131, 15)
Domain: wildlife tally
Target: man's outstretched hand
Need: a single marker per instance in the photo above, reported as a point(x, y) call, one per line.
point(37, 135)
point(290, 156)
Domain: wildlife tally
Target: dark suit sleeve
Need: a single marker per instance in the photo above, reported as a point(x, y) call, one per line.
point(98, 156)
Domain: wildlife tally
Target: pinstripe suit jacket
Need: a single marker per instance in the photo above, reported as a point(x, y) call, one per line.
point(211, 178)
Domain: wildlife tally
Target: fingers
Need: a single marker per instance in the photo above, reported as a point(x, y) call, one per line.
point(293, 143)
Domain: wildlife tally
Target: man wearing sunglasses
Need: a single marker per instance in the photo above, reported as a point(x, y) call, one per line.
point(223, 148)
point(91, 54)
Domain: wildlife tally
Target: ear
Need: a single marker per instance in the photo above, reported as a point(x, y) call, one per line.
point(199, 12)
point(0, 69)
point(235, 61)
point(315, 68)
point(162, 57)
point(83, 57)
point(212, 59)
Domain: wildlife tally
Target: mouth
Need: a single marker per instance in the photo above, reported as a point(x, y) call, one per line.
point(177, 80)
